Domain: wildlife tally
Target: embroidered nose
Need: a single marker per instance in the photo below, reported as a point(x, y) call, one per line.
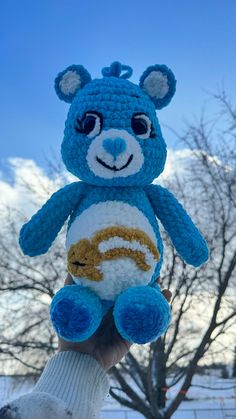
point(114, 147)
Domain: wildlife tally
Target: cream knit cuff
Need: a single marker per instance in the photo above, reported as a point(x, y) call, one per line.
point(76, 379)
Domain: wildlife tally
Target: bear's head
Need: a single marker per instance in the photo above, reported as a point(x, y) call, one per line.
point(112, 135)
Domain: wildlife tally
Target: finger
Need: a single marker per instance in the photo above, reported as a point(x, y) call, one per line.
point(167, 294)
point(69, 280)
point(108, 334)
point(106, 329)
point(119, 343)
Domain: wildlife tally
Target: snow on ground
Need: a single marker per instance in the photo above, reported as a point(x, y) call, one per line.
point(200, 404)
point(12, 387)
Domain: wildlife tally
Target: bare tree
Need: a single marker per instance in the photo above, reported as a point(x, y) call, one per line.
point(203, 306)
point(203, 303)
point(27, 286)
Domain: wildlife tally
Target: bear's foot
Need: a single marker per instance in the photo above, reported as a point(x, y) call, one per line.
point(141, 314)
point(76, 313)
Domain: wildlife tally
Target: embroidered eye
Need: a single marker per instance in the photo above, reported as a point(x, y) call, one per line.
point(141, 125)
point(90, 124)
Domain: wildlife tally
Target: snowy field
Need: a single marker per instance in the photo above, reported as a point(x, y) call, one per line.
point(203, 403)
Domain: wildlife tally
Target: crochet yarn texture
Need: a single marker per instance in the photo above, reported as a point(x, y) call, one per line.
point(113, 143)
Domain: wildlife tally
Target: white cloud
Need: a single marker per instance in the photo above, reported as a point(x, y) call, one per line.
point(176, 163)
point(28, 188)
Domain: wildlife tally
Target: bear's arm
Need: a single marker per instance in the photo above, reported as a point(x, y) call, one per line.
point(37, 235)
point(184, 235)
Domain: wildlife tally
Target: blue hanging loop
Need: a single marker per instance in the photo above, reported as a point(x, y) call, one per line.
point(116, 69)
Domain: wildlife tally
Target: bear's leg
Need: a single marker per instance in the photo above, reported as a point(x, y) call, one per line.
point(141, 314)
point(76, 313)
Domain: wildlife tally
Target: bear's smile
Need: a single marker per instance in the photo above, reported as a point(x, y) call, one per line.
point(114, 154)
point(77, 263)
point(116, 169)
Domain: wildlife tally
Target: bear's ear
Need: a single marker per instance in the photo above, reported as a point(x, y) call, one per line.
point(70, 81)
point(159, 83)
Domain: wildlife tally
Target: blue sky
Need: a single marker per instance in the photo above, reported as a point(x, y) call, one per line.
point(196, 39)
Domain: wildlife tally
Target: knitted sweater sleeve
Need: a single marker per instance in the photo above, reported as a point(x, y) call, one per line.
point(72, 386)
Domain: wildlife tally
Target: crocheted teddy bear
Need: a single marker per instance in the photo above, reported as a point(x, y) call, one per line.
point(113, 143)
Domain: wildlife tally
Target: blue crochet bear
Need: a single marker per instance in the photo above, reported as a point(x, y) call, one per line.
point(113, 143)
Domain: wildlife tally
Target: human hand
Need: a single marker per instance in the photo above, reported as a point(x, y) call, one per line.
point(106, 345)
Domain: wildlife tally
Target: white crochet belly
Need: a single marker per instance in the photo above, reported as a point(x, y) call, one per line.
point(115, 229)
